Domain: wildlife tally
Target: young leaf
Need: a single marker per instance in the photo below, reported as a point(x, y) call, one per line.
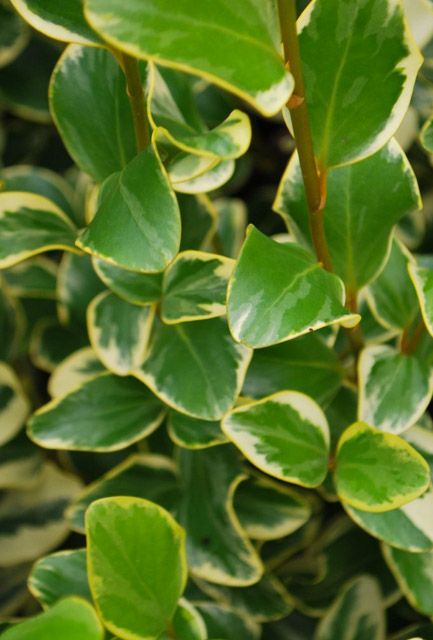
point(150, 477)
point(152, 580)
point(269, 511)
point(354, 217)
point(409, 528)
point(373, 456)
point(60, 575)
point(31, 224)
point(191, 433)
point(91, 110)
point(141, 211)
point(285, 435)
point(195, 367)
point(63, 22)
point(69, 619)
point(217, 547)
point(195, 287)
point(392, 296)
point(105, 413)
point(119, 332)
point(279, 292)
point(80, 366)
point(414, 575)
point(137, 288)
point(14, 405)
point(305, 364)
point(352, 117)
point(395, 388)
point(223, 45)
point(357, 614)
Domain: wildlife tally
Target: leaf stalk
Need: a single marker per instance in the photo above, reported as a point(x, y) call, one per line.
point(137, 101)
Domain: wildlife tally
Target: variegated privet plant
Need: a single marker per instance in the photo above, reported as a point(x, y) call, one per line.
point(236, 417)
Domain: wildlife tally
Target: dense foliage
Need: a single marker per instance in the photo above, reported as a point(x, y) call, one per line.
point(216, 336)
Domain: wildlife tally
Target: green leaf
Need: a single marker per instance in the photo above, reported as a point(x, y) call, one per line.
point(105, 413)
point(13, 323)
point(222, 622)
point(63, 22)
point(60, 575)
point(392, 297)
point(31, 224)
point(152, 580)
point(232, 224)
point(395, 388)
point(426, 136)
point(305, 364)
point(136, 288)
point(151, 477)
point(421, 438)
point(212, 179)
point(69, 619)
point(20, 463)
point(14, 35)
point(77, 285)
point(199, 218)
point(14, 405)
point(261, 602)
point(191, 433)
point(358, 99)
point(176, 121)
point(421, 274)
point(409, 528)
point(195, 287)
point(279, 292)
point(195, 367)
point(119, 332)
point(414, 574)
point(51, 343)
point(34, 278)
point(236, 48)
point(217, 547)
point(373, 456)
point(141, 211)
point(187, 623)
point(285, 435)
point(269, 511)
point(91, 110)
point(354, 217)
point(32, 518)
point(357, 614)
point(73, 371)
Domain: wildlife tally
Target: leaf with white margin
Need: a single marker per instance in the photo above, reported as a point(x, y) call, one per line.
point(176, 120)
point(105, 413)
point(285, 435)
point(358, 58)
point(148, 476)
point(14, 35)
point(264, 601)
point(394, 388)
point(77, 285)
point(90, 107)
point(14, 405)
point(33, 519)
point(141, 211)
point(20, 463)
point(365, 470)
point(279, 292)
point(409, 528)
point(392, 297)
point(305, 364)
point(268, 510)
point(192, 433)
point(77, 368)
point(357, 613)
point(421, 438)
point(187, 623)
point(34, 278)
point(64, 22)
point(69, 619)
point(218, 174)
point(222, 46)
point(119, 332)
point(221, 621)
point(426, 136)
point(195, 287)
point(31, 224)
point(414, 575)
point(218, 549)
point(136, 288)
point(353, 216)
point(421, 273)
point(195, 367)
point(60, 575)
point(152, 581)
